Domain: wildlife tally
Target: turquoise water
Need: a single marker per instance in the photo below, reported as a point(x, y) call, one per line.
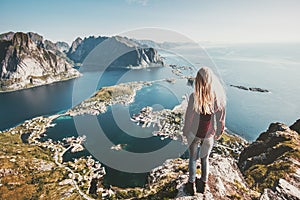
point(273, 67)
point(140, 139)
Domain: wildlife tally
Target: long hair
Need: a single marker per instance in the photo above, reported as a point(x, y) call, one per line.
point(209, 94)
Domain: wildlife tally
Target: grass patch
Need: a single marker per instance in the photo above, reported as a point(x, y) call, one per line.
point(112, 92)
point(24, 177)
point(260, 177)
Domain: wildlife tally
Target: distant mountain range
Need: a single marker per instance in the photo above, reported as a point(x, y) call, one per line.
point(28, 60)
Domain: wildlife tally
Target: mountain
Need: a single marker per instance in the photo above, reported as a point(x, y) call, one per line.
point(7, 36)
point(59, 47)
point(27, 59)
point(165, 45)
point(62, 46)
point(135, 53)
point(25, 62)
point(271, 164)
point(80, 48)
point(36, 38)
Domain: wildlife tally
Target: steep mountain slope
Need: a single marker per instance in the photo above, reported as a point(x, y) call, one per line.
point(26, 63)
point(80, 48)
point(134, 54)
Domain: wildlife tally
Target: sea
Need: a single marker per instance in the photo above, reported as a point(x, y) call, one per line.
point(275, 67)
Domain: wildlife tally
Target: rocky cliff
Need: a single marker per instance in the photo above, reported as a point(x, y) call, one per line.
point(7, 36)
point(26, 63)
point(266, 169)
point(136, 55)
point(80, 48)
point(271, 164)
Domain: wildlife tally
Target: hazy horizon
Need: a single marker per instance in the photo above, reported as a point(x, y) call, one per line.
point(233, 21)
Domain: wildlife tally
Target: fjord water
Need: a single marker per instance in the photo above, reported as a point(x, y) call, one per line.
point(273, 67)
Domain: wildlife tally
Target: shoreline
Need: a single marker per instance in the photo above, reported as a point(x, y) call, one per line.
point(45, 84)
point(86, 175)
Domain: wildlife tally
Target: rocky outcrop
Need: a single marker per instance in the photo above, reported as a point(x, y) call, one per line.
point(36, 38)
point(135, 56)
point(268, 168)
point(296, 126)
point(26, 63)
point(7, 36)
point(58, 48)
point(273, 162)
point(225, 180)
point(62, 46)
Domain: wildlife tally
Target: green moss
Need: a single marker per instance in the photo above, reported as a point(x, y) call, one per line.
point(265, 176)
point(108, 93)
point(235, 196)
point(182, 167)
point(43, 77)
point(166, 191)
point(25, 180)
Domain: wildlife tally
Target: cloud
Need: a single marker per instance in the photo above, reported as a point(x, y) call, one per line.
point(141, 2)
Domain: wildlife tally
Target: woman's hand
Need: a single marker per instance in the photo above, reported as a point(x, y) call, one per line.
point(217, 137)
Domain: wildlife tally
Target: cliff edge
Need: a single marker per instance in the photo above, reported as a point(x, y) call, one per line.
point(271, 164)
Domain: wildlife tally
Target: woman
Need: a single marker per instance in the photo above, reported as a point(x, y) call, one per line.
point(204, 122)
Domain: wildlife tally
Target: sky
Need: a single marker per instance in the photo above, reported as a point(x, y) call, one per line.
point(231, 21)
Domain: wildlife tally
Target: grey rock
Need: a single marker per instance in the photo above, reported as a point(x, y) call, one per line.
point(36, 38)
point(26, 63)
point(269, 194)
point(225, 180)
point(271, 162)
point(296, 126)
point(7, 36)
point(58, 48)
point(287, 190)
point(80, 48)
point(62, 46)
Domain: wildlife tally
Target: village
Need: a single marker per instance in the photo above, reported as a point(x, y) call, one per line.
point(168, 122)
point(84, 173)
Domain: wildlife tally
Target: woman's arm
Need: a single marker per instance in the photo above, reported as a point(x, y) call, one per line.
point(220, 120)
point(188, 115)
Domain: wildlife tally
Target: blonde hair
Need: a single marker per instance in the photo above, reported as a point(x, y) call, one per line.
point(209, 95)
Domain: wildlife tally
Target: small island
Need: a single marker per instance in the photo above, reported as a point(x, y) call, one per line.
point(252, 89)
point(240, 170)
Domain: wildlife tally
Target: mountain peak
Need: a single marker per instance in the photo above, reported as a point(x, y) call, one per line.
point(21, 39)
point(36, 38)
point(7, 36)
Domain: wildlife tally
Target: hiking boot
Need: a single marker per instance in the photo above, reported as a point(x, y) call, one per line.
point(189, 188)
point(200, 186)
